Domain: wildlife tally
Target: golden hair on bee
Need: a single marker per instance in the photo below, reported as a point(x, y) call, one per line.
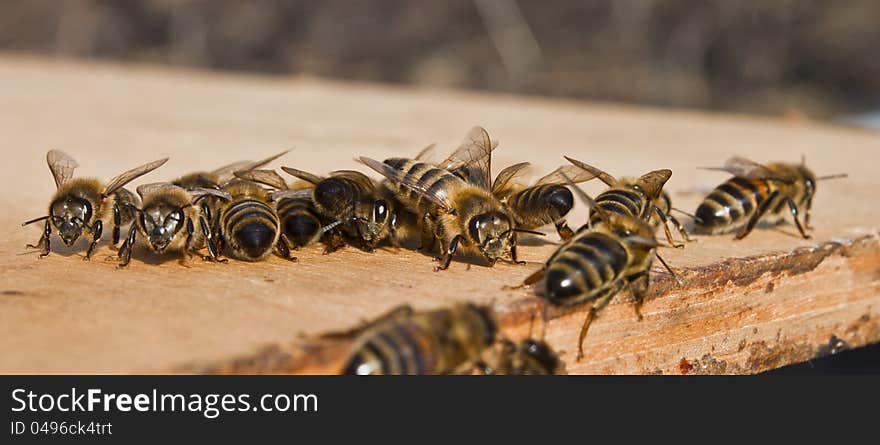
point(247, 225)
point(85, 205)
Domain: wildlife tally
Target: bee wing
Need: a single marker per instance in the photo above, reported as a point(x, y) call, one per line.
point(425, 153)
point(745, 168)
point(144, 190)
point(502, 181)
point(574, 173)
point(131, 175)
point(305, 176)
point(227, 172)
point(293, 194)
point(266, 177)
point(61, 165)
point(355, 176)
point(201, 192)
point(609, 180)
point(472, 160)
point(653, 182)
point(439, 197)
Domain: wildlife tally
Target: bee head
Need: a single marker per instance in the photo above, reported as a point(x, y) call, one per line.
point(626, 226)
point(380, 216)
point(161, 224)
point(70, 215)
point(493, 232)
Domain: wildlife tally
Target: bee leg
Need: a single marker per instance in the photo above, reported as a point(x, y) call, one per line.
point(565, 232)
point(594, 310)
point(792, 206)
point(450, 252)
point(680, 228)
point(125, 251)
point(213, 248)
point(638, 286)
point(665, 222)
point(334, 243)
point(43, 244)
point(530, 280)
point(513, 256)
point(188, 244)
point(96, 236)
point(768, 203)
point(117, 221)
point(283, 247)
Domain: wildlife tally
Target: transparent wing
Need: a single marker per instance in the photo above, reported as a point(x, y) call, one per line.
point(131, 175)
point(266, 177)
point(609, 180)
point(305, 176)
point(745, 168)
point(425, 154)
point(145, 190)
point(227, 172)
point(502, 182)
point(439, 198)
point(472, 160)
point(61, 165)
point(201, 192)
point(653, 182)
point(305, 193)
point(574, 173)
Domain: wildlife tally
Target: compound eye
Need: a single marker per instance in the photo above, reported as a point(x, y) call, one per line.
point(146, 223)
point(381, 210)
point(173, 220)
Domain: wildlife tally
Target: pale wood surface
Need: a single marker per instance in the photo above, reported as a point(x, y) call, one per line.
point(745, 306)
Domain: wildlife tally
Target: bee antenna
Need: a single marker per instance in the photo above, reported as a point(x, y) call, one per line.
point(530, 232)
point(331, 226)
point(42, 218)
point(587, 199)
point(835, 176)
point(692, 216)
point(671, 272)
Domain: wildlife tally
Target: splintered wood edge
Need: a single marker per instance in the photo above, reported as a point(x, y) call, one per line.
point(846, 318)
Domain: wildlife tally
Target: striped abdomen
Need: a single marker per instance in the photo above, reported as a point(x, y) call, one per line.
point(584, 268)
point(731, 204)
point(337, 197)
point(299, 221)
point(397, 348)
point(622, 202)
point(539, 205)
point(250, 229)
point(434, 180)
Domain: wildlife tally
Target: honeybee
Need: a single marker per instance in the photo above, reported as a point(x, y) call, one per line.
point(301, 223)
point(247, 224)
point(758, 192)
point(351, 200)
point(528, 357)
point(598, 263)
point(443, 341)
point(548, 201)
point(202, 180)
point(641, 198)
point(168, 221)
point(455, 199)
point(85, 204)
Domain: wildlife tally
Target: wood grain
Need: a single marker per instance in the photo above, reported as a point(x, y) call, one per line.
point(745, 306)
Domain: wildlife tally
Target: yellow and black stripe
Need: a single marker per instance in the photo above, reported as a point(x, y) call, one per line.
point(622, 201)
point(250, 228)
point(584, 268)
point(538, 205)
point(398, 349)
point(433, 180)
point(731, 204)
point(299, 220)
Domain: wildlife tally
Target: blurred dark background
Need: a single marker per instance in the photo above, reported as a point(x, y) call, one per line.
point(817, 58)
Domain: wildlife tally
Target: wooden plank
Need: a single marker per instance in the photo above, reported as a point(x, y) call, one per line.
point(745, 306)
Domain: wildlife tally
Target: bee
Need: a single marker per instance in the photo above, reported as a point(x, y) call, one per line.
point(301, 223)
point(84, 204)
point(455, 199)
point(597, 264)
point(641, 198)
point(528, 357)
point(215, 179)
point(548, 201)
point(247, 224)
point(758, 192)
point(443, 341)
point(350, 199)
point(168, 221)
